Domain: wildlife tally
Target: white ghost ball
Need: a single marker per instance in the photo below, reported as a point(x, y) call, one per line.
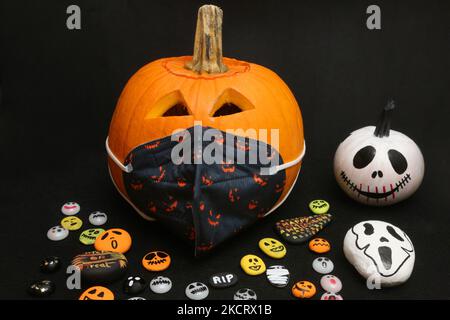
point(323, 265)
point(381, 252)
point(98, 218)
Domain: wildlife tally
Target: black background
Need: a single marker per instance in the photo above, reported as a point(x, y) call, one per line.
point(59, 89)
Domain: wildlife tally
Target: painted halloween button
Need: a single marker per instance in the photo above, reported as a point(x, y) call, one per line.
point(41, 288)
point(70, 208)
point(117, 240)
point(272, 247)
point(101, 266)
point(300, 229)
point(278, 276)
point(97, 293)
point(50, 264)
point(197, 291)
point(134, 285)
point(137, 298)
point(323, 265)
point(160, 285)
point(245, 294)
point(319, 245)
point(331, 296)
point(89, 236)
point(98, 218)
point(156, 261)
point(319, 206)
point(223, 280)
point(71, 223)
point(331, 283)
point(57, 233)
point(253, 265)
point(304, 289)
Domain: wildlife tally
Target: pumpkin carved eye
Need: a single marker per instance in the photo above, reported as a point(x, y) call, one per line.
point(230, 102)
point(171, 105)
point(177, 110)
point(363, 157)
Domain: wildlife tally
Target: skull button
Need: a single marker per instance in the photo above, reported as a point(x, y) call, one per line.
point(57, 233)
point(156, 261)
point(197, 291)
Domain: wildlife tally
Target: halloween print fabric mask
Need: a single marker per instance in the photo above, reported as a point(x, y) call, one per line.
point(204, 203)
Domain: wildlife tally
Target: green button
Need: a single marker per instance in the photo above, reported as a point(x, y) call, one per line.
point(319, 206)
point(89, 236)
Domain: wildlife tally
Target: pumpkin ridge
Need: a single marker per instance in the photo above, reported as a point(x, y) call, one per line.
point(121, 155)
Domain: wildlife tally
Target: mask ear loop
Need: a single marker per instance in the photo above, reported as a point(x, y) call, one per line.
point(275, 169)
point(128, 168)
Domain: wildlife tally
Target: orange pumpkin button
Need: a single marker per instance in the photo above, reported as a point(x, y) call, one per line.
point(303, 289)
point(97, 293)
point(319, 245)
point(156, 261)
point(115, 240)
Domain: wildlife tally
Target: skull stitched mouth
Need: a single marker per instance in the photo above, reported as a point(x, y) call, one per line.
point(254, 268)
point(376, 195)
point(159, 282)
point(198, 290)
point(277, 249)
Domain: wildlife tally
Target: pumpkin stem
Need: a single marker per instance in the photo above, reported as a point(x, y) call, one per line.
point(383, 127)
point(207, 55)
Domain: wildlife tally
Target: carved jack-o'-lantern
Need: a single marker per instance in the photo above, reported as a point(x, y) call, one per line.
point(192, 95)
point(377, 165)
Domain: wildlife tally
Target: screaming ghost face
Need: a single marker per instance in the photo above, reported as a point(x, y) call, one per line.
point(386, 245)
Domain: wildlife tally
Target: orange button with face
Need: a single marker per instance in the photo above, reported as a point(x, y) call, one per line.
point(303, 289)
point(97, 293)
point(116, 240)
point(319, 245)
point(156, 261)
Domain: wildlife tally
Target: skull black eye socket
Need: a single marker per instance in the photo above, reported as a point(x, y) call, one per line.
point(191, 287)
point(398, 161)
point(394, 233)
point(368, 229)
point(363, 157)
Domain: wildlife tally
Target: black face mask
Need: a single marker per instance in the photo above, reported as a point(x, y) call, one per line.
point(205, 203)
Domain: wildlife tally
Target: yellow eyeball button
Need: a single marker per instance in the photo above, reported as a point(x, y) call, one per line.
point(273, 248)
point(71, 223)
point(253, 265)
point(319, 206)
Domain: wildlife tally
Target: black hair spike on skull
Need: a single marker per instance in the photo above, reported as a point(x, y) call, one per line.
point(383, 127)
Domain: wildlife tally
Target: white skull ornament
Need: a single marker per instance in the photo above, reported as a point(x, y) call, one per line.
point(379, 166)
point(378, 248)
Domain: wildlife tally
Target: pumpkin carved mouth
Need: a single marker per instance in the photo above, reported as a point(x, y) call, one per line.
point(376, 195)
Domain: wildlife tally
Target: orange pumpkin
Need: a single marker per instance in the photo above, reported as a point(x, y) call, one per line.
point(223, 93)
